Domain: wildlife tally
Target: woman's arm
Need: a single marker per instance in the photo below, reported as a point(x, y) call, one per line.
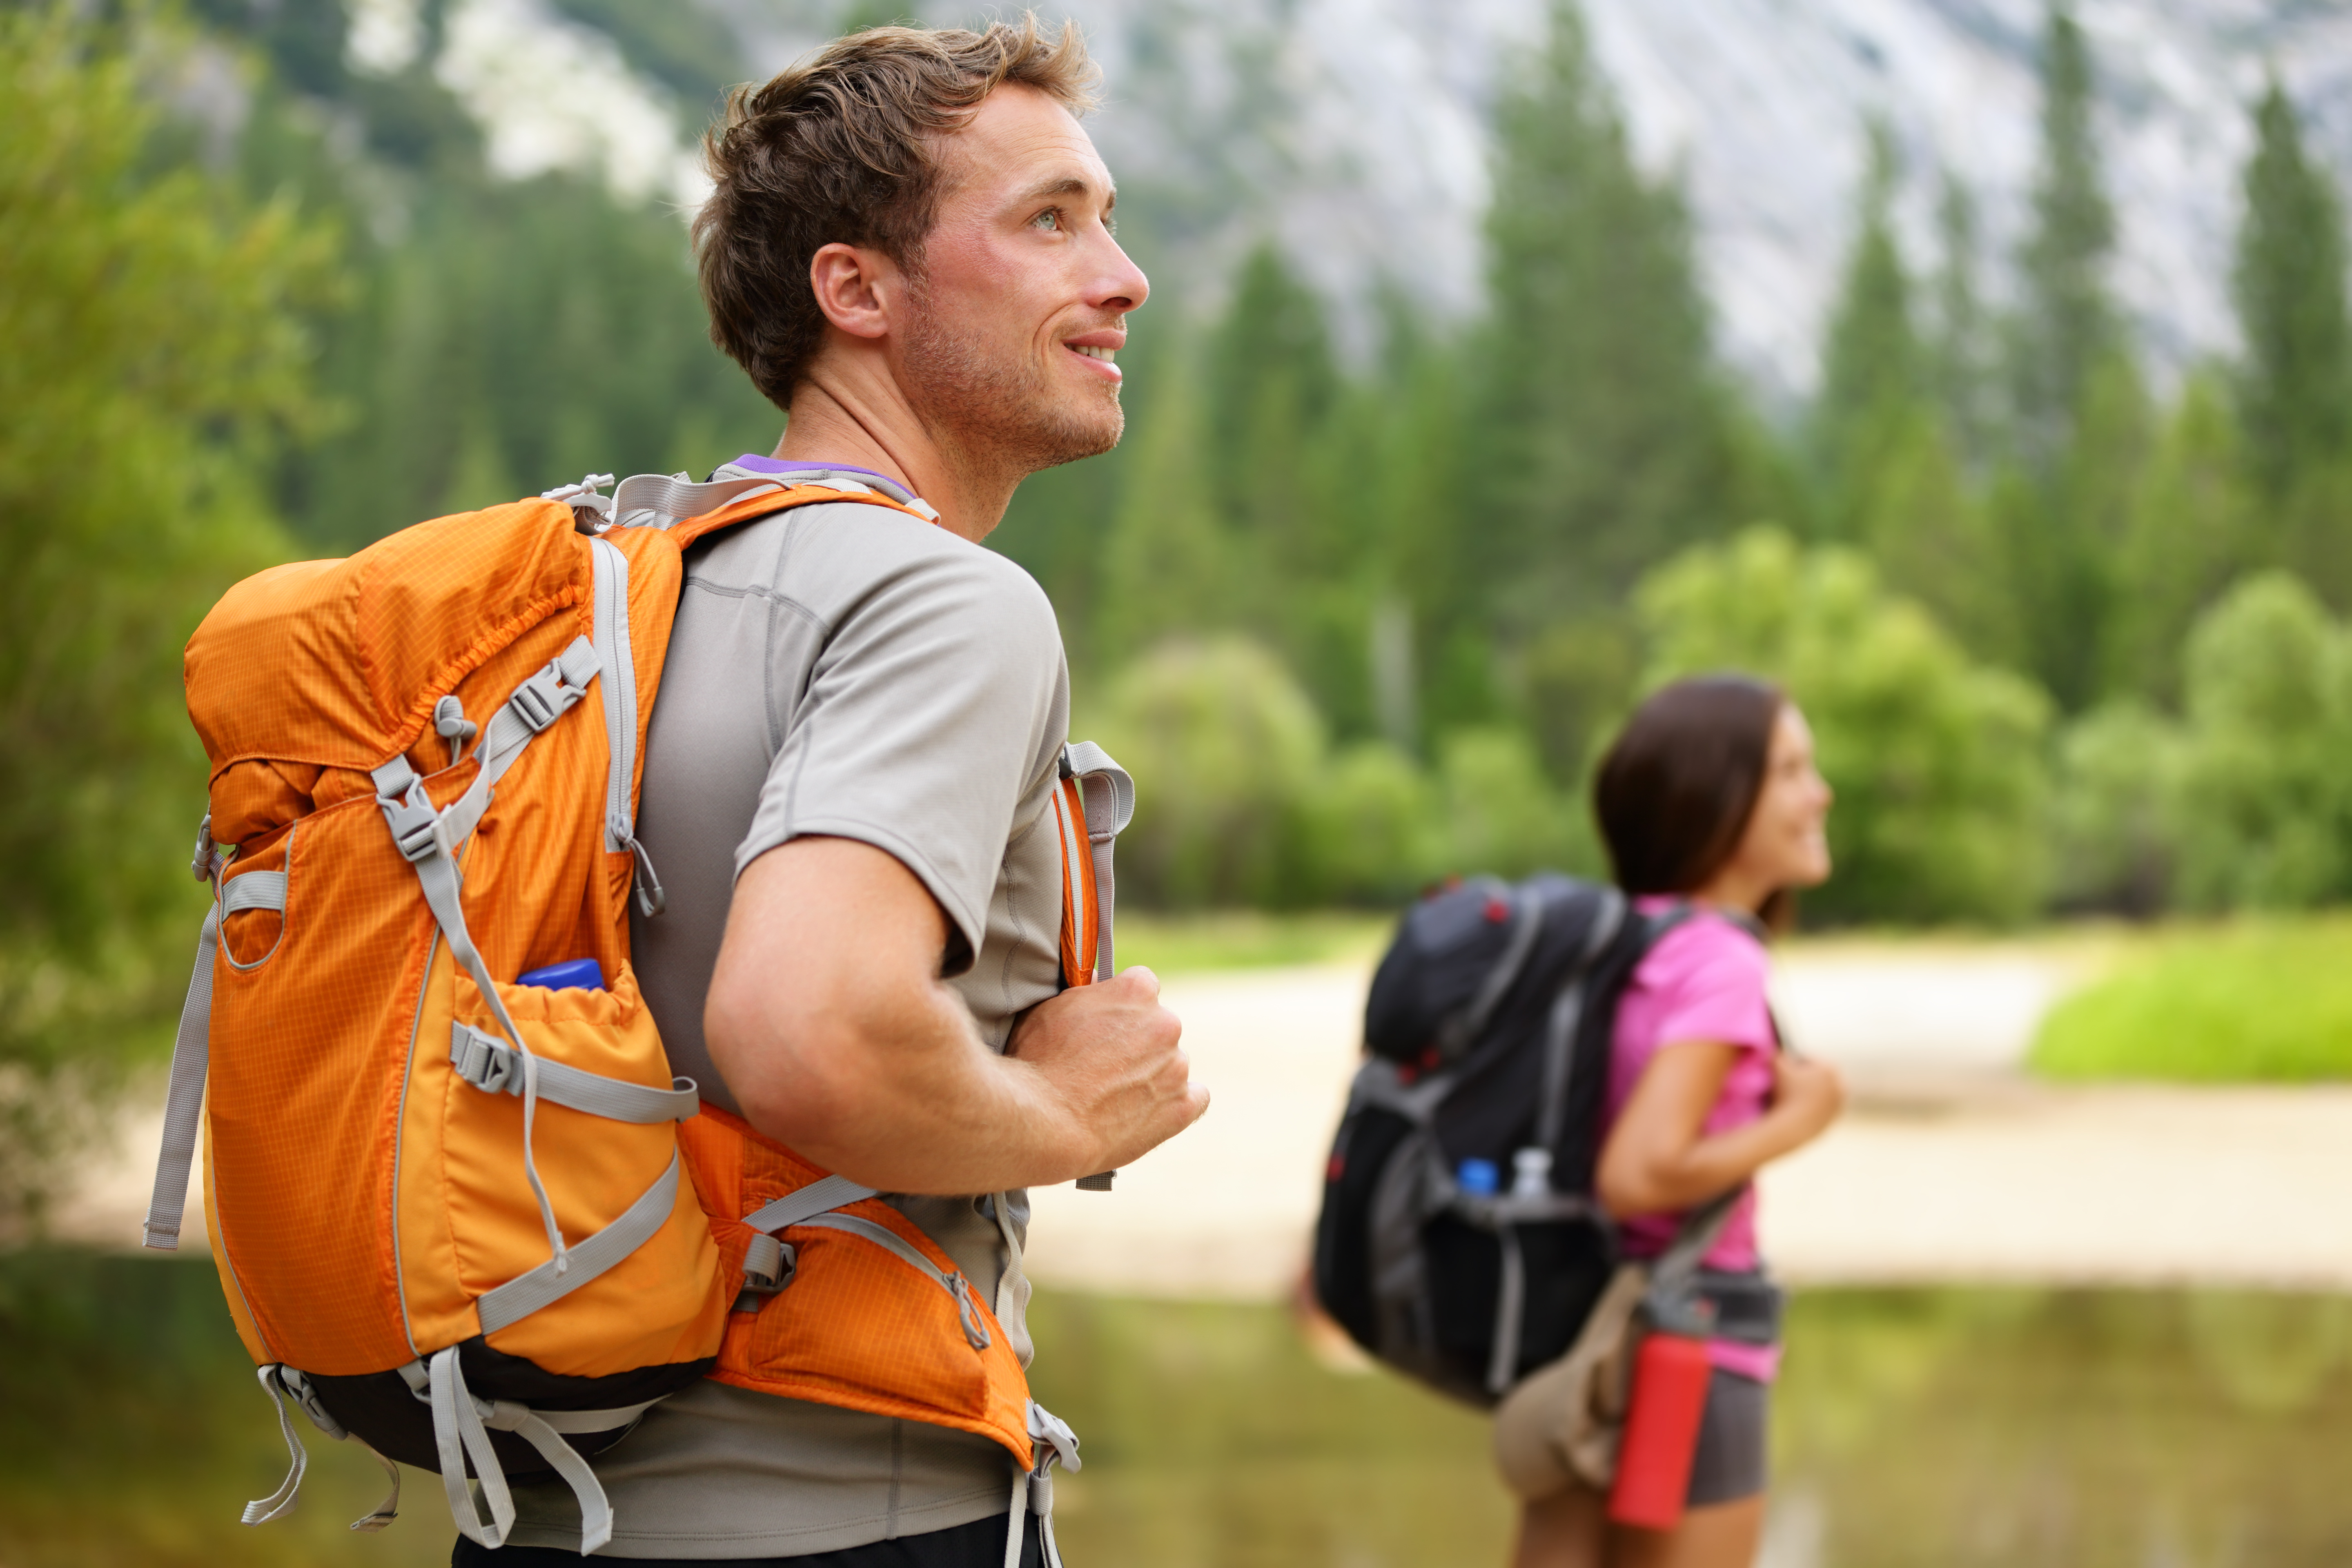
point(1656, 1160)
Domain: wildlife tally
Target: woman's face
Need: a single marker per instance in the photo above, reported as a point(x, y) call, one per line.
point(1786, 844)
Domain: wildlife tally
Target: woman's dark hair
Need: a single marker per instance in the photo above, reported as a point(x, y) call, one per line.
point(1675, 791)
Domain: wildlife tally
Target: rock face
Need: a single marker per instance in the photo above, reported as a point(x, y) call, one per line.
point(1357, 131)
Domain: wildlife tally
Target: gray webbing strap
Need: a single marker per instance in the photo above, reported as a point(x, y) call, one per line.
point(559, 1277)
point(958, 1289)
point(253, 890)
point(458, 1435)
point(1510, 1308)
point(1567, 1013)
point(617, 679)
point(184, 1106)
point(437, 873)
point(848, 481)
point(657, 500)
point(430, 840)
point(1050, 1439)
point(489, 1064)
point(389, 1509)
point(261, 1511)
point(798, 1205)
point(1109, 795)
point(595, 1508)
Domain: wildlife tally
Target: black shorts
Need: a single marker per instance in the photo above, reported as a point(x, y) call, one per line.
point(1729, 1463)
point(980, 1544)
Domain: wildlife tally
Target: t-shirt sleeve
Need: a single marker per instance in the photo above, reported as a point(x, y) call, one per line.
point(1710, 978)
point(925, 722)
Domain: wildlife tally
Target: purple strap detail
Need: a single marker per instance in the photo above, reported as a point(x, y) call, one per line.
point(758, 465)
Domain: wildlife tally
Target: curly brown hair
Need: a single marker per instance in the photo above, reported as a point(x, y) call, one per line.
point(843, 147)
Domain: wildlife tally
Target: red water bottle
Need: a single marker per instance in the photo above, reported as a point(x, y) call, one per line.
point(1653, 1458)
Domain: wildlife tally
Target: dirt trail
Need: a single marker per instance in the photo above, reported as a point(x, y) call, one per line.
point(1950, 1165)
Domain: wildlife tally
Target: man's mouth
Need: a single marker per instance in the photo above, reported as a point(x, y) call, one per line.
point(1106, 355)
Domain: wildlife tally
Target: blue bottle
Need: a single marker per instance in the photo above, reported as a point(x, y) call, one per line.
point(572, 974)
point(1478, 1178)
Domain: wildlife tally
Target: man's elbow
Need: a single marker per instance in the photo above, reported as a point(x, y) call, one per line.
point(790, 1071)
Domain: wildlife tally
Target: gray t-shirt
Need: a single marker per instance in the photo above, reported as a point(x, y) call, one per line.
point(849, 671)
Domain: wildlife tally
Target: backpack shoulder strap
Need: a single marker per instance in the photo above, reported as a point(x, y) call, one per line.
point(687, 512)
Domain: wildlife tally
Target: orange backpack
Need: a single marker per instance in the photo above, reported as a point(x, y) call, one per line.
point(461, 1210)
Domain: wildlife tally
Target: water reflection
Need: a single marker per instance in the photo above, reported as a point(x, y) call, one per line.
point(1915, 1429)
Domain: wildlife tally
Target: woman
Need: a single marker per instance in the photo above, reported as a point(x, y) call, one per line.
point(1709, 799)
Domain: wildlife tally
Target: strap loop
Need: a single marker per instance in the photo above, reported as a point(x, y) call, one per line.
point(492, 1066)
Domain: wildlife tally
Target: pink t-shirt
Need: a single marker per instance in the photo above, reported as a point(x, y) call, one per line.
point(1705, 980)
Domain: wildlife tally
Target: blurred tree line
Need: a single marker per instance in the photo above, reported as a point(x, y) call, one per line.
point(1357, 620)
point(2068, 644)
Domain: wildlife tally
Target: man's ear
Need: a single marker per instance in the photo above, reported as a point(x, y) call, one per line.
point(856, 287)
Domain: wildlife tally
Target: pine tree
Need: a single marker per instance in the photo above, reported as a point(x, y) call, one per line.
point(2191, 536)
point(2294, 382)
point(2066, 323)
point(1271, 384)
point(1962, 331)
point(1600, 430)
point(2078, 425)
point(1871, 369)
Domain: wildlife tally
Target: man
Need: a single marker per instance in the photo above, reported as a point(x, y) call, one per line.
point(851, 770)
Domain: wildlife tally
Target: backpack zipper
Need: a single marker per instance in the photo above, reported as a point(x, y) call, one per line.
point(958, 1287)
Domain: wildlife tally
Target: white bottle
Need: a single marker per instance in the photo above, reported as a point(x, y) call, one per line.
point(1531, 1174)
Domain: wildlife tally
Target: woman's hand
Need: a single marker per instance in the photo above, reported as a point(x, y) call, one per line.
point(1659, 1159)
point(1808, 1093)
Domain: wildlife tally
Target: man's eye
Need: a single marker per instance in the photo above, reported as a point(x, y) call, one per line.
point(1051, 219)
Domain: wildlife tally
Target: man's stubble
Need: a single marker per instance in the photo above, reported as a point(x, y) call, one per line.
point(997, 412)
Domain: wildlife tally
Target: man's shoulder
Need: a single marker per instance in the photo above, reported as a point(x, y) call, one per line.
point(834, 557)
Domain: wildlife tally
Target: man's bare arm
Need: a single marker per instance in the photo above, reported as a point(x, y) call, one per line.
point(827, 1016)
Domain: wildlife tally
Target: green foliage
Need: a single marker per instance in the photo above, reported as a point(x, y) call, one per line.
point(1871, 373)
point(2258, 999)
point(154, 351)
point(2114, 833)
point(2294, 383)
point(2191, 533)
point(1247, 939)
point(1600, 440)
point(2265, 807)
point(2065, 326)
point(1230, 748)
point(1936, 761)
point(1502, 816)
point(1373, 829)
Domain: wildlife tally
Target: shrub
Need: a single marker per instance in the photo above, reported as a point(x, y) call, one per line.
point(1501, 814)
point(1373, 828)
point(2263, 801)
point(1226, 749)
point(1937, 760)
point(2113, 812)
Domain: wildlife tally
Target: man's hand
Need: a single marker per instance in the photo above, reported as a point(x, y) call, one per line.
point(1110, 1050)
point(828, 1018)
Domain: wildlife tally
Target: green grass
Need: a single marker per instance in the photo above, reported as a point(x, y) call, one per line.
point(1247, 939)
point(2256, 1000)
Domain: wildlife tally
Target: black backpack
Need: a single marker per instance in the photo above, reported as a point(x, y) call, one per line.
point(1460, 1241)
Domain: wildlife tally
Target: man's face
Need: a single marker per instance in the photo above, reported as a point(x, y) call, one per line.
point(1020, 294)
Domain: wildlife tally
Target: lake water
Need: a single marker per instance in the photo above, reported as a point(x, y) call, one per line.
point(1913, 1429)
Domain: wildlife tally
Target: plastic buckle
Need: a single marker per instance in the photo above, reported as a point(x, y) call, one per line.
point(481, 1061)
point(201, 866)
point(534, 702)
point(413, 823)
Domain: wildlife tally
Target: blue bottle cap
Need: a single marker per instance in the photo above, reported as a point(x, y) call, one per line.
point(1478, 1178)
point(573, 974)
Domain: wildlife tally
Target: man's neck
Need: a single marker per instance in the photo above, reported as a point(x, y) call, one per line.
point(831, 423)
